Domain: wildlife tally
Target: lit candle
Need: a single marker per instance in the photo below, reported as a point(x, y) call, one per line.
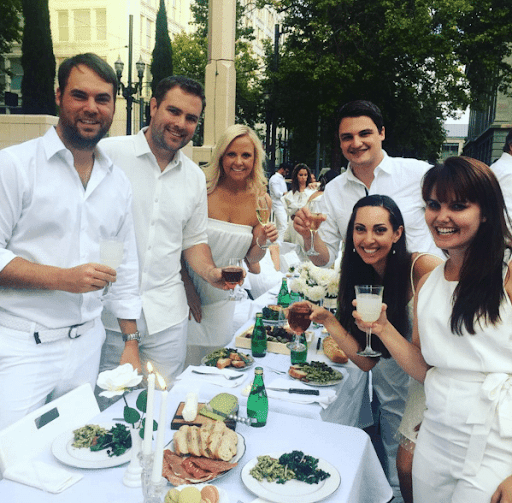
point(156, 475)
point(148, 429)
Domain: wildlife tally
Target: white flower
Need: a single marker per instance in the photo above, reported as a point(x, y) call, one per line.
point(117, 381)
point(331, 289)
point(315, 293)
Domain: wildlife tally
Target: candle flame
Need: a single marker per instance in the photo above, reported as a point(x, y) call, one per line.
point(161, 381)
point(150, 367)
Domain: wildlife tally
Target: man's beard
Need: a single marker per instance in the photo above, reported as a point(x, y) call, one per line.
point(77, 141)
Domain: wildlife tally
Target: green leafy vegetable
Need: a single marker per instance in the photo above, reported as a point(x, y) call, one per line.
point(117, 441)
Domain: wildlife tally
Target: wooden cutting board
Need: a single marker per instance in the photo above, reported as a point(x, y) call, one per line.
point(178, 421)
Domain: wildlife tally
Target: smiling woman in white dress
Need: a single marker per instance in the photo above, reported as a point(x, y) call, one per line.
point(234, 179)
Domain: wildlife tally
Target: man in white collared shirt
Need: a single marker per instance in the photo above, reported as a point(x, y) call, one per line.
point(503, 170)
point(170, 214)
point(277, 189)
point(59, 196)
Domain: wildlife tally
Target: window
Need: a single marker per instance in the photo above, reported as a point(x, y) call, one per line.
point(17, 75)
point(82, 24)
point(101, 24)
point(148, 33)
point(63, 22)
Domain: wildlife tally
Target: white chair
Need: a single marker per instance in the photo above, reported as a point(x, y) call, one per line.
point(25, 440)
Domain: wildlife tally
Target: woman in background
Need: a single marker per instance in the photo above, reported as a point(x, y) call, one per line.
point(234, 179)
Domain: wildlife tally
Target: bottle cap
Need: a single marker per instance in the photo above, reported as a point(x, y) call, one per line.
point(258, 370)
point(259, 315)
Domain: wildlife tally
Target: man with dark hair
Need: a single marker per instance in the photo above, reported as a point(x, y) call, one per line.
point(503, 170)
point(370, 171)
point(170, 215)
point(59, 196)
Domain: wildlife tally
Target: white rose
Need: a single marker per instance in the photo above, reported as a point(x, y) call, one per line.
point(116, 382)
point(315, 293)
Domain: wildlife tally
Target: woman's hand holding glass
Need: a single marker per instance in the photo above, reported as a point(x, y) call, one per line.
point(263, 210)
point(233, 274)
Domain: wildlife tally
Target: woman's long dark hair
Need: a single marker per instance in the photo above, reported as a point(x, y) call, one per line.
point(354, 271)
point(479, 293)
point(295, 175)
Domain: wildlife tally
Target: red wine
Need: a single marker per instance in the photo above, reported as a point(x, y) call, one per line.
point(232, 275)
point(298, 318)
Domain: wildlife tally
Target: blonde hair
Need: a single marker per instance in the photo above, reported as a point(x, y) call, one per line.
point(214, 171)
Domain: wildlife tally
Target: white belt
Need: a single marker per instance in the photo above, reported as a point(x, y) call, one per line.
point(42, 333)
point(494, 398)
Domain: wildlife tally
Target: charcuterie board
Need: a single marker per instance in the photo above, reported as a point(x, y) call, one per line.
point(178, 421)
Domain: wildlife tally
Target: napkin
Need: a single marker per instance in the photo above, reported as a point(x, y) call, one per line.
point(215, 376)
point(41, 475)
point(327, 395)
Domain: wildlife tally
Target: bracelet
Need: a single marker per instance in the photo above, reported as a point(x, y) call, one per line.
point(257, 242)
point(132, 337)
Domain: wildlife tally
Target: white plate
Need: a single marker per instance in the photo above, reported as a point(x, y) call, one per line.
point(223, 495)
point(85, 458)
point(291, 491)
point(243, 369)
point(239, 453)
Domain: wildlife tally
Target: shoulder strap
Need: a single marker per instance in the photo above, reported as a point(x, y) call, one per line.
point(412, 270)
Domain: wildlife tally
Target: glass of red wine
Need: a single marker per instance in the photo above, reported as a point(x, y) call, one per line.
point(233, 275)
point(298, 319)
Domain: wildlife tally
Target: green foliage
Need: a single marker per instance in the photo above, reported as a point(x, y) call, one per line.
point(10, 26)
point(37, 59)
point(161, 62)
point(418, 60)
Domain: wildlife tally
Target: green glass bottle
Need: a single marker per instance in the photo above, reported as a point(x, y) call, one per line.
point(257, 403)
point(259, 338)
point(303, 340)
point(283, 297)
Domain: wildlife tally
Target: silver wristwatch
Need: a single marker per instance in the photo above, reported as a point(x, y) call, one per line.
point(132, 337)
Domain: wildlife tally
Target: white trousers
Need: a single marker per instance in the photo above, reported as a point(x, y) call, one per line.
point(29, 372)
point(166, 350)
point(281, 218)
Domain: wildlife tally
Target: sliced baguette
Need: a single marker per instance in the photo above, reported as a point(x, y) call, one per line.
point(193, 441)
point(180, 441)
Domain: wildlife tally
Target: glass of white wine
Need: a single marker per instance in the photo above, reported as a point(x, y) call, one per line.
point(263, 214)
point(316, 218)
point(111, 254)
point(369, 306)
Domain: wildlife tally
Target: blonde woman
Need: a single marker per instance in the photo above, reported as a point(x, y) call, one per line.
point(234, 179)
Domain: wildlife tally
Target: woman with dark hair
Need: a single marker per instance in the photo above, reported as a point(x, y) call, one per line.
point(376, 254)
point(461, 346)
point(295, 199)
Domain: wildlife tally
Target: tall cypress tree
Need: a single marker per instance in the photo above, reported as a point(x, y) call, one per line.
point(161, 63)
point(37, 59)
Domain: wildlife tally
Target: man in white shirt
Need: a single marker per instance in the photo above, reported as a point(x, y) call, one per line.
point(503, 170)
point(277, 189)
point(170, 216)
point(59, 196)
point(370, 171)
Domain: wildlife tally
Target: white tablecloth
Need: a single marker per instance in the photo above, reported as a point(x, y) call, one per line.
point(348, 449)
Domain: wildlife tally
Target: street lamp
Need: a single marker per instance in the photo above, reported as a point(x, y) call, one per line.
point(131, 88)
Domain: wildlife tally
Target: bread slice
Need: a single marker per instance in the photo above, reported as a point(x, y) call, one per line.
point(222, 363)
point(204, 437)
point(226, 448)
point(180, 441)
point(296, 372)
point(193, 440)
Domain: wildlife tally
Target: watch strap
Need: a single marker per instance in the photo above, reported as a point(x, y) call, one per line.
point(132, 337)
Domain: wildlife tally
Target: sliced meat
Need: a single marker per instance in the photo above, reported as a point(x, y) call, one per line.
point(212, 465)
point(194, 470)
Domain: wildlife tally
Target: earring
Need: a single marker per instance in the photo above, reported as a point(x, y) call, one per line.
point(353, 250)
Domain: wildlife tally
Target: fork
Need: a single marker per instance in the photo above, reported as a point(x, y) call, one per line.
point(282, 372)
point(229, 378)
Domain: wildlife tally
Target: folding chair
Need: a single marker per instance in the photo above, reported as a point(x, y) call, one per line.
point(35, 432)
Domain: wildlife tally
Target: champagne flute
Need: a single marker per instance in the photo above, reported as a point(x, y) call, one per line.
point(369, 306)
point(263, 214)
point(111, 254)
point(233, 274)
point(316, 219)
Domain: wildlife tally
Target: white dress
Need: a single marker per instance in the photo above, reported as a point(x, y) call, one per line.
point(226, 240)
point(464, 447)
point(294, 201)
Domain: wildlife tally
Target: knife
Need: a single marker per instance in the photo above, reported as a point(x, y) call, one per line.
point(299, 391)
point(318, 345)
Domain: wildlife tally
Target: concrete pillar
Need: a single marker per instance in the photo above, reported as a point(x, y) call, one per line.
point(220, 79)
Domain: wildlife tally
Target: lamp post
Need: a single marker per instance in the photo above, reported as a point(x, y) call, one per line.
point(130, 89)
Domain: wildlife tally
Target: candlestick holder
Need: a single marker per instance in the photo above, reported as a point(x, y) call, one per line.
point(155, 491)
point(146, 462)
point(132, 475)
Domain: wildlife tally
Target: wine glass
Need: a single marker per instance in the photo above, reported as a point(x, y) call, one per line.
point(316, 218)
point(111, 254)
point(233, 274)
point(263, 214)
point(298, 319)
point(369, 306)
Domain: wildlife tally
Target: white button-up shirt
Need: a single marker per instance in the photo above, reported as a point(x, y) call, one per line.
point(47, 217)
point(170, 215)
point(395, 177)
point(503, 170)
point(277, 187)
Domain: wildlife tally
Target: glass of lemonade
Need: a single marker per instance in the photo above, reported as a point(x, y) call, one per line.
point(369, 306)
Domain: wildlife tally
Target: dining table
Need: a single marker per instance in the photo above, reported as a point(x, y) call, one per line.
point(348, 449)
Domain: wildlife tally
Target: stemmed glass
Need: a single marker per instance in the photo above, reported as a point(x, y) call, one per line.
point(316, 219)
point(369, 306)
point(233, 274)
point(298, 319)
point(263, 214)
point(111, 254)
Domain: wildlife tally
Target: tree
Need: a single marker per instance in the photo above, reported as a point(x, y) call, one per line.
point(10, 26)
point(419, 61)
point(161, 63)
point(37, 59)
